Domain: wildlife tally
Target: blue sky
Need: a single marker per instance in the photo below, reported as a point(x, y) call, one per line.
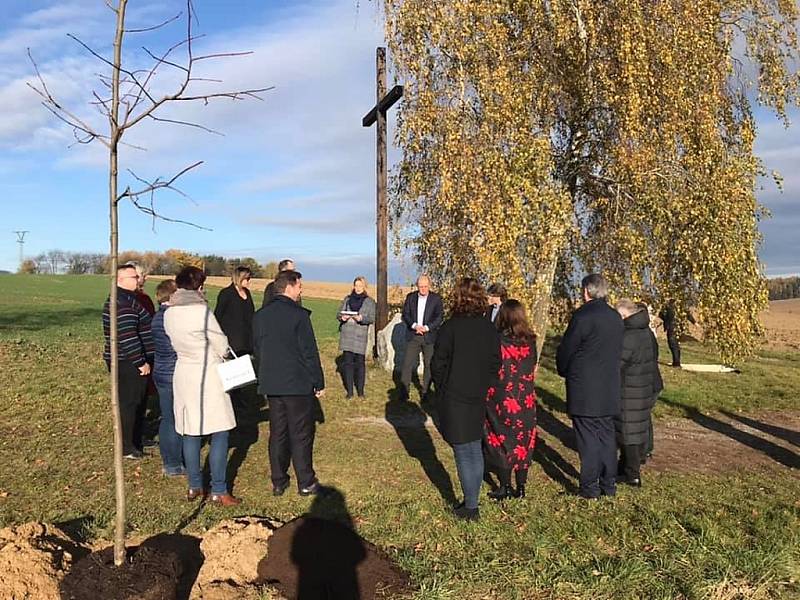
point(293, 175)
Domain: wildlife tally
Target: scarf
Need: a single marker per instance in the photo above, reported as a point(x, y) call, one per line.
point(355, 301)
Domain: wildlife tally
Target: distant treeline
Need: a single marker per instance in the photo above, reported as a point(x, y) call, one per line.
point(155, 263)
point(783, 288)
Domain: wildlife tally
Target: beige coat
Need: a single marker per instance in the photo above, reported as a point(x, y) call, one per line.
point(201, 405)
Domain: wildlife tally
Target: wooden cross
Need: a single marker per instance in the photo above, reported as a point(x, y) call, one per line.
point(377, 115)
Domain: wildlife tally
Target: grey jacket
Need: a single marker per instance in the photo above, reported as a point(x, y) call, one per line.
point(352, 334)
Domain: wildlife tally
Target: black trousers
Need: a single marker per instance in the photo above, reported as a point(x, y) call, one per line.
point(630, 460)
point(291, 438)
point(597, 449)
point(354, 369)
point(674, 348)
point(411, 359)
point(132, 397)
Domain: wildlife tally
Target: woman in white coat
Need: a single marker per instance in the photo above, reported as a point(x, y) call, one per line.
point(201, 405)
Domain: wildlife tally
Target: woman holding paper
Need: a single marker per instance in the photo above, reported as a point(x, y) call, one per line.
point(201, 405)
point(356, 314)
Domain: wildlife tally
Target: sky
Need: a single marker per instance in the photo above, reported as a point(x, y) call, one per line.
point(292, 176)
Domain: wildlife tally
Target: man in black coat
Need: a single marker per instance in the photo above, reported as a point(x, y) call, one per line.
point(589, 359)
point(287, 264)
point(423, 314)
point(669, 318)
point(290, 376)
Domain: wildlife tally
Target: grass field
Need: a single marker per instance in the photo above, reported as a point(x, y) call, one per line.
point(721, 533)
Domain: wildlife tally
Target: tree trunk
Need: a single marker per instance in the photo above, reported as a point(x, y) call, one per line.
point(113, 170)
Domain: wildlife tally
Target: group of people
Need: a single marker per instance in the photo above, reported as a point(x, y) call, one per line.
point(481, 361)
point(180, 346)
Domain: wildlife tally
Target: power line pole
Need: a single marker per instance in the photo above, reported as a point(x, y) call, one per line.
point(21, 242)
point(378, 115)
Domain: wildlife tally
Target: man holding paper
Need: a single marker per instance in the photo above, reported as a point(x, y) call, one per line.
point(290, 376)
point(423, 314)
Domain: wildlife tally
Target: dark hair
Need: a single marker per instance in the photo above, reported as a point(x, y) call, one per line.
point(595, 285)
point(125, 267)
point(286, 278)
point(499, 290)
point(469, 298)
point(165, 289)
point(283, 264)
point(190, 278)
point(512, 322)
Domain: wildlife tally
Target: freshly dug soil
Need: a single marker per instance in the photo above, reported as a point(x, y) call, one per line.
point(33, 559)
point(312, 558)
point(148, 574)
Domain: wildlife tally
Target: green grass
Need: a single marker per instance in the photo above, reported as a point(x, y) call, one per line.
point(731, 535)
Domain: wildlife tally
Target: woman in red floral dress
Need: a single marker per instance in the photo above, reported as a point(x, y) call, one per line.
point(510, 427)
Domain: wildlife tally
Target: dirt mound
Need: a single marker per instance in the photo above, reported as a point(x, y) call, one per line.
point(313, 558)
point(232, 551)
point(148, 574)
point(33, 560)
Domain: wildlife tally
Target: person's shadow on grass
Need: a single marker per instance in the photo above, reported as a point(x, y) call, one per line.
point(409, 423)
point(250, 410)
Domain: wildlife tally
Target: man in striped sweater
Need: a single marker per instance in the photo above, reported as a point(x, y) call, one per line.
point(135, 352)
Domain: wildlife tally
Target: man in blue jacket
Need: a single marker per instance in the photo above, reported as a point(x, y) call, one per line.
point(589, 359)
point(290, 376)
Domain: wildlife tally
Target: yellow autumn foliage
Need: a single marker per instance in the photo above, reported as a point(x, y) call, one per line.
point(543, 140)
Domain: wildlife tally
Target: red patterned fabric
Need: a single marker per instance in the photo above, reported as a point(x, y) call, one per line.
point(510, 426)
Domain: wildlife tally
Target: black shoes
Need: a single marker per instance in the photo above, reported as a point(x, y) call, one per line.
point(314, 490)
point(466, 514)
point(519, 492)
point(134, 455)
point(502, 493)
point(279, 490)
point(635, 482)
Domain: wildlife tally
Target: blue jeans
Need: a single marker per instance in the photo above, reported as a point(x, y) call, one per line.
point(469, 463)
point(169, 440)
point(217, 460)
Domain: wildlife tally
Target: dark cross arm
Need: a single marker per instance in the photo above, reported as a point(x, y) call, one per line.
point(385, 104)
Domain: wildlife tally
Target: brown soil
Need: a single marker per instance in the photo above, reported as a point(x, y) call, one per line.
point(233, 550)
point(782, 322)
point(148, 574)
point(312, 558)
point(33, 560)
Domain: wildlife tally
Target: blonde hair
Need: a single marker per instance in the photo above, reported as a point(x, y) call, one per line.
point(627, 307)
point(239, 275)
point(363, 280)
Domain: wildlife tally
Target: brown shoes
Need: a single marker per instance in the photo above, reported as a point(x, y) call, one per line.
point(193, 494)
point(224, 500)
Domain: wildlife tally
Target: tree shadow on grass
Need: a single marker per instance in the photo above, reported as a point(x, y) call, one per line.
point(45, 319)
point(408, 420)
point(787, 435)
point(777, 453)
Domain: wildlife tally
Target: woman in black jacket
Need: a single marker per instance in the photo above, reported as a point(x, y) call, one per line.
point(641, 383)
point(465, 363)
point(234, 311)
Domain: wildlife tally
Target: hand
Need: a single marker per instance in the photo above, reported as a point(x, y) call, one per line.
point(144, 370)
point(344, 317)
point(319, 393)
point(357, 318)
point(420, 330)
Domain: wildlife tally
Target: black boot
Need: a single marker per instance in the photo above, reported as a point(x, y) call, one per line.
point(502, 493)
point(520, 491)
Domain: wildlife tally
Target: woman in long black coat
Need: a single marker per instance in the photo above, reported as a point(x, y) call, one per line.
point(465, 362)
point(640, 381)
point(234, 311)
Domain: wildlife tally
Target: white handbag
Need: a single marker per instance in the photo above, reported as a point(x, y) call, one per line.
point(236, 373)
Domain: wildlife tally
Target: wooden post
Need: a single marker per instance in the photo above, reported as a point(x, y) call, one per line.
point(382, 316)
